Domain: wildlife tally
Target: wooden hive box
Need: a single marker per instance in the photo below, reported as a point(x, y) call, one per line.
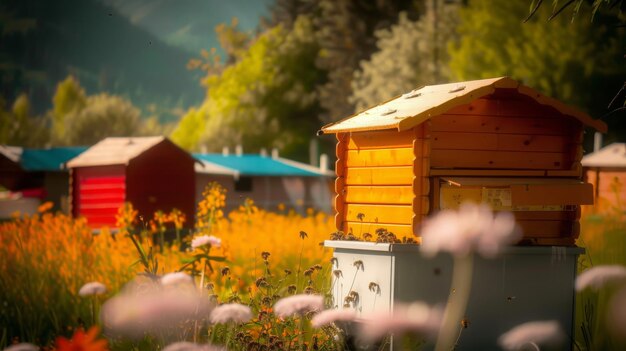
point(493, 141)
point(152, 173)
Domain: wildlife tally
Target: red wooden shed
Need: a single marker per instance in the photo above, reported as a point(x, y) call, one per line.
point(152, 173)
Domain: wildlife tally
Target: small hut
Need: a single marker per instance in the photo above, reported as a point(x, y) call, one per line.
point(493, 141)
point(152, 173)
point(270, 181)
point(606, 170)
point(34, 175)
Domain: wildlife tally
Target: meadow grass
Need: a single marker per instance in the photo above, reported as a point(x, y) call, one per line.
point(263, 257)
point(46, 258)
point(603, 235)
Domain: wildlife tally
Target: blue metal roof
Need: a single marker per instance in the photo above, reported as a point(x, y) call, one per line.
point(257, 165)
point(51, 159)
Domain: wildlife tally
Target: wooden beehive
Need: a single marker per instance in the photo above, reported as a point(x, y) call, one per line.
point(493, 141)
point(152, 173)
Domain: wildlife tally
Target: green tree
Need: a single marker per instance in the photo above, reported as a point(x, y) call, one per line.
point(410, 54)
point(571, 61)
point(190, 130)
point(267, 98)
point(68, 99)
point(18, 126)
point(345, 30)
point(103, 116)
point(619, 6)
point(78, 119)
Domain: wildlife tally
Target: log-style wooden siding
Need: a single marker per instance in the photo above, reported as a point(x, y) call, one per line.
point(547, 215)
point(340, 169)
point(500, 142)
point(506, 104)
point(548, 229)
point(365, 194)
point(421, 182)
point(359, 228)
point(374, 213)
point(512, 136)
point(506, 134)
point(402, 175)
point(383, 181)
point(380, 157)
point(380, 140)
point(384, 176)
point(472, 159)
point(502, 125)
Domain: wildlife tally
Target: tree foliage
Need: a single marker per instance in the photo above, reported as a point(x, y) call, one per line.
point(78, 119)
point(574, 61)
point(267, 98)
point(18, 126)
point(410, 54)
point(68, 99)
point(103, 116)
point(619, 6)
point(191, 128)
point(346, 35)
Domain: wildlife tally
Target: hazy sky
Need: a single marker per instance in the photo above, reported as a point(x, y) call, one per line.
point(190, 24)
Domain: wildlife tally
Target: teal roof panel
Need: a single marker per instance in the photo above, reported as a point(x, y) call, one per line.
point(52, 159)
point(257, 165)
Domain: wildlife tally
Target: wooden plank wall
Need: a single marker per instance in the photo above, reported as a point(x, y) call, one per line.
point(513, 137)
point(379, 175)
point(509, 134)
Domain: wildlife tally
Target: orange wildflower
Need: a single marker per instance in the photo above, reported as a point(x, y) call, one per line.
point(82, 341)
point(44, 207)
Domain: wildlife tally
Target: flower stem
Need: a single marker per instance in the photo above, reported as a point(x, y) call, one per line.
point(457, 302)
point(93, 310)
point(301, 338)
point(195, 326)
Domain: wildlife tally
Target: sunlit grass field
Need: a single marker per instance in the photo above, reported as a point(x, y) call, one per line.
point(264, 256)
point(46, 258)
point(603, 235)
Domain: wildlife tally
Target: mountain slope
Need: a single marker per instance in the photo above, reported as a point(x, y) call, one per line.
point(43, 41)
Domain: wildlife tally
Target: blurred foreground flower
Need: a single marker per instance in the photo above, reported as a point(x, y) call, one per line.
point(190, 346)
point(145, 307)
point(82, 341)
point(232, 312)
point(204, 240)
point(176, 278)
point(597, 277)
point(473, 228)
point(616, 314)
point(544, 333)
point(298, 304)
point(22, 347)
point(330, 316)
point(415, 318)
point(92, 288)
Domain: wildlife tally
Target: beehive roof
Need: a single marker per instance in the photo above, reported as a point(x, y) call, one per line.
point(13, 153)
point(610, 156)
point(39, 160)
point(114, 151)
point(51, 159)
point(413, 108)
point(256, 165)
